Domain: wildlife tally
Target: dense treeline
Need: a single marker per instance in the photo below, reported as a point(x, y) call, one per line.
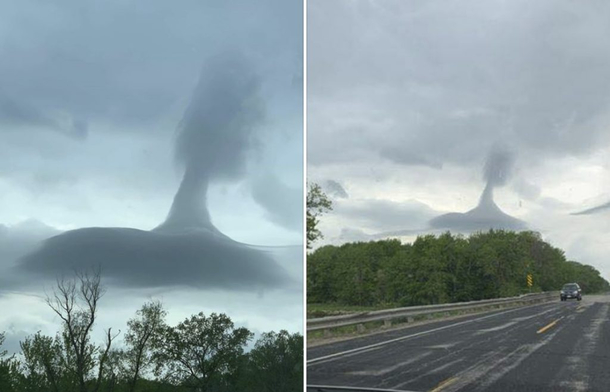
point(201, 353)
point(440, 269)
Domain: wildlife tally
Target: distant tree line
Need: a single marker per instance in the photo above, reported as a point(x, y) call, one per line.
point(441, 269)
point(201, 353)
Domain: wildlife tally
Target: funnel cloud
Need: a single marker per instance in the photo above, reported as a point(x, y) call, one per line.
point(214, 137)
point(486, 215)
point(213, 140)
point(498, 166)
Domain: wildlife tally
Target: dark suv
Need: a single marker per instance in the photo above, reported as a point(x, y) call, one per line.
point(571, 290)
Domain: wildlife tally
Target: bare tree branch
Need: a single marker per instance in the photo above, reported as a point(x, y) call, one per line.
point(75, 302)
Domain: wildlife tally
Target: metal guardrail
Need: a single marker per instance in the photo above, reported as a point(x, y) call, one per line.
point(407, 313)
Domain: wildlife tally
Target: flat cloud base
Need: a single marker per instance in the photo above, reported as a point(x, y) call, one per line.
point(139, 258)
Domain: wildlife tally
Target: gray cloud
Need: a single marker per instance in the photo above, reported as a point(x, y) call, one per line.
point(385, 215)
point(122, 65)
point(486, 215)
point(187, 249)
point(137, 258)
point(399, 90)
point(335, 189)
point(279, 201)
point(122, 76)
point(594, 210)
point(95, 91)
point(17, 116)
point(353, 235)
point(18, 240)
point(406, 156)
point(438, 83)
point(526, 190)
point(217, 130)
point(498, 166)
point(13, 113)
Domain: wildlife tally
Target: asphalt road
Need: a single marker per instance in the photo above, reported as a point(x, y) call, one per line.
point(558, 346)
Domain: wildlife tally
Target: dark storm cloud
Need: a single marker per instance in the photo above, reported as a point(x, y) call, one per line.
point(17, 114)
point(281, 202)
point(18, 240)
point(335, 190)
point(119, 68)
point(439, 83)
point(132, 65)
point(137, 258)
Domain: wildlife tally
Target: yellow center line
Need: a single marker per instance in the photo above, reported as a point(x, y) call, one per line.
point(545, 328)
point(444, 384)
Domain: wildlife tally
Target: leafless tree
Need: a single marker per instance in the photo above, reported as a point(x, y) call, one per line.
point(75, 301)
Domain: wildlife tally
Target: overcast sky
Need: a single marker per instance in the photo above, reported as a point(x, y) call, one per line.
point(410, 101)
point(93, 96)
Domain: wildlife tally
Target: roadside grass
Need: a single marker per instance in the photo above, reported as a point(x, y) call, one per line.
point(316, 310)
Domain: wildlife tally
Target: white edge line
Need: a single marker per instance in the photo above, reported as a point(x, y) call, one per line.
point(332, 387)
point(364, 348)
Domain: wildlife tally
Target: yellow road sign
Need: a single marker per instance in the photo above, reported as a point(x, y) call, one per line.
point(530, 280)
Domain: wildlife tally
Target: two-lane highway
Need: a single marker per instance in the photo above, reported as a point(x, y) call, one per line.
point(559, 346)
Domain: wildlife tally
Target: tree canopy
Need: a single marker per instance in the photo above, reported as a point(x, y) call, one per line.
point(440, 269)
point(317, 204)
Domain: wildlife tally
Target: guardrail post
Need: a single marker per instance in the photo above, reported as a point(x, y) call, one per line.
point(409, 314)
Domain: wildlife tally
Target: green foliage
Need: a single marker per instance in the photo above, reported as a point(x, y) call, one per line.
point(48, 364)
point(317, 204)
point(440, 269)
point(9, 375)
point(276, 363)
point(143, 335)
point(202, 353)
